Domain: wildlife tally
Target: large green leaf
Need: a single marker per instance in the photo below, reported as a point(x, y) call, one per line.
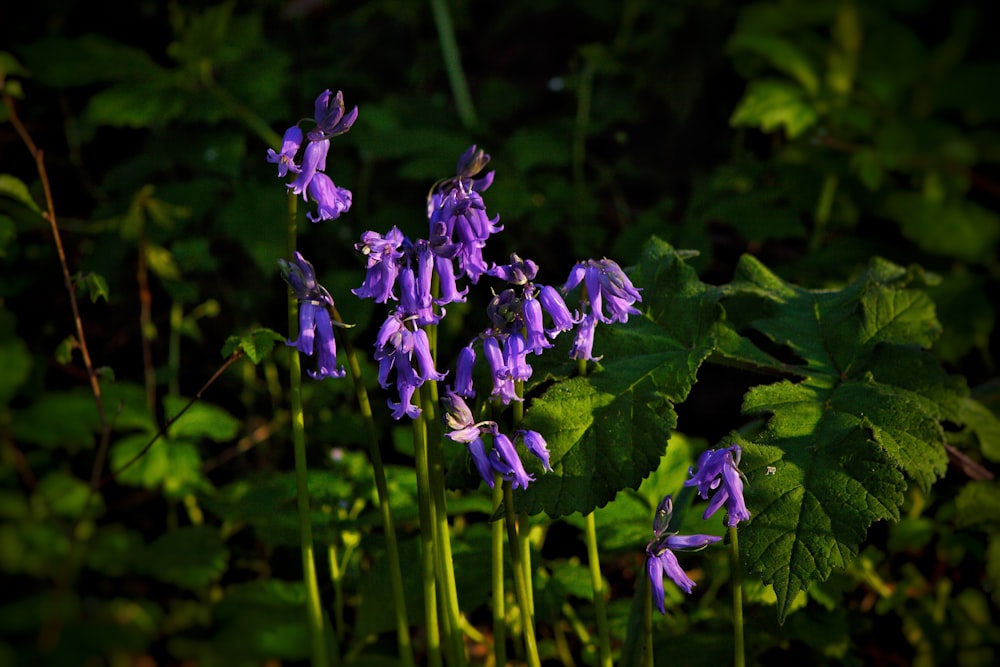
point(841, 443)
point(608, 430)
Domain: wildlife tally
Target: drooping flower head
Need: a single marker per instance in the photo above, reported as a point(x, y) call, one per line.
point(502, 457)
point(310, 180)
point(407, 351)
point(660, 557)
point(718, 471)
point(609, 297)
point(315, 324)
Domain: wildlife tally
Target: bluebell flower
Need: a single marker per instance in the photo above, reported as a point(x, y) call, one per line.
point(583, 341)
point(660, 557)
point(408, 352)
point(332, 200)
point(315, 324)
point(330, 117)
point(463, 372)
point(382, 260)
point(290, 144)
point(502, 457)
point(313, 160)
point(555, 306)
point(607, 287)
point(718, 471)
point(503, 379)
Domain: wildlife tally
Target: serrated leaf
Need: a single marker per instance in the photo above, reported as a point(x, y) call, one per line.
point(770, 104)
point(842, 441)
point(607, 431)
point(257, 345)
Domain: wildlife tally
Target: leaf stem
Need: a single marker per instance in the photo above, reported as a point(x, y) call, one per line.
point(499, 611)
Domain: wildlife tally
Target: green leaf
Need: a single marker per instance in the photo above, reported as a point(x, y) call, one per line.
point(136, 104)
point(781, 54)
point(257, 345)
point(769, 104)
point(961, 229)
point(842, 441)
point(607, 431)
point(174, 465)
point(58, 420)
point(984, 424)
point(62, 63)
point(96, 285)
point(978, 506)
point(191, 557)
point(13, 187)
point(65, 495)
point(15, 365)
point(200, 420)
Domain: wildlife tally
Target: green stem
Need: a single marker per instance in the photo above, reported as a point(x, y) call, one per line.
point(739, 651)
point(427, 551)
point(520, 585)
point(337, 578)
point(442, 531)
point(647, 622)
point(378, 470)
point(499, 611)
point(597, 582)
point(453, 63)
point(823, 209)
point(314, 611)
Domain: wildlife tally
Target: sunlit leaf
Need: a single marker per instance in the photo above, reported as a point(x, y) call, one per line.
point(770, 104)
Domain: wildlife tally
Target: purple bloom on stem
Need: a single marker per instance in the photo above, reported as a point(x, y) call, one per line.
point(315, 325)
point(718, 470)
point(607, 286)
point(382, 257)
point(332, 200)
point(536, 444)
point(583, 343)
point(330, 117)
point(463, 372)
point(537, 339)
point(506, 461)
point(289, 147)
point(660, 556)
point(408, 352)
point(516, 357)
point(503, 382)
point(482, 460)
point(555, 306)
point(313, 160)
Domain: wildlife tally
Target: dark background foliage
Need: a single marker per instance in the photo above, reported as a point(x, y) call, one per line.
point(607, 123)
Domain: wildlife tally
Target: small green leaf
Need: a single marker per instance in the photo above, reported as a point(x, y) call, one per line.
point(257, 345)
point(171, 465)
point(781, 54)
point(65, 495)
point(984, 424)
point(978, 505)
point(15, 365)
point(58, 420)
point(14, 188)
point(200, 420)
point(770, 104)
point(96, 285)
point(961, 229)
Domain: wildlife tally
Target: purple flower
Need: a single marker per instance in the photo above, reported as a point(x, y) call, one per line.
point(315, 324)
point(330, 117)
point(583, 343)
point(313, 160)
point(503, 380)
point(505, 460)
point(536, 444)
point(463, 372)
point(332, 200)
point(409, 354)
point(555, 306)
point(607, 286)
point(660, 557)
point(382, 259)
point(289, 147)
point(718, 470)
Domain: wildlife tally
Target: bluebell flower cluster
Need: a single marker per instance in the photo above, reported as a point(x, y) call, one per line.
point(608, 296)
point(501, 456)
point(315, 323)
point(311, 180)
point(718, 472)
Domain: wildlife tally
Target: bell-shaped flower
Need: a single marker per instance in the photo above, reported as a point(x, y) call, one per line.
point(332, 200)
point(330, 117)
point(313, 160)
point(718, 471)
point(290, 144)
